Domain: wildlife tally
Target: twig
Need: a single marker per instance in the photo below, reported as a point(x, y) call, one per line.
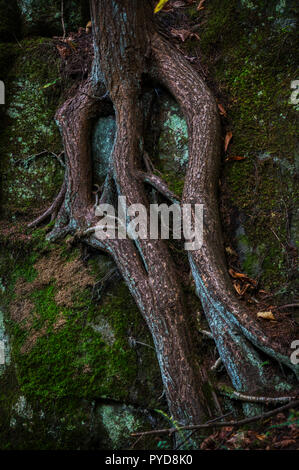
point(62, 19)
point(195, 430)
point(217, 364)
point(293, 404)
point(287, 306)
point(19, 44)
point(133, 343)
point(253, 399)
point(27, 160)
point(134, 443)
point(206, 333)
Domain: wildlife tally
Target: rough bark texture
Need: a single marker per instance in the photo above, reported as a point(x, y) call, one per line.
point(126, 47)
point(230, 324)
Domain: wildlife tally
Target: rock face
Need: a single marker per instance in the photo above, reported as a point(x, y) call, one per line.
point(30, 139)
point(255, 68)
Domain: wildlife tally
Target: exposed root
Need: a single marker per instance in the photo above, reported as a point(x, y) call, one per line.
point(206, 333)
point(157, 183)
point(235, 332)
point(53, 209)
point(216, 365)
point(252, 399)
point(100, 286)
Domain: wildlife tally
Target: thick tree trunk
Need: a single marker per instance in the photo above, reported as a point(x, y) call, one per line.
point(126, 47)
point(153, 284)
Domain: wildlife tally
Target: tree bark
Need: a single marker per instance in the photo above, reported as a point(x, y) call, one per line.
point(233, 328)
point(126, 47)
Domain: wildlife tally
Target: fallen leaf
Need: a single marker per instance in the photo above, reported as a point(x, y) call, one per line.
point(234, 157)
point(285, 443)
point(200, 5)
point(227, 140)
point(244, 288)
point(178, 4)
point(63, 51)
point(266, 315)
point(242, 276)
point(230, 251)
point(221, 110)
point(160, 5)
point(237, 275)
point(183, 34)
point(237, 287)
point(261, 437)
point(71, 43)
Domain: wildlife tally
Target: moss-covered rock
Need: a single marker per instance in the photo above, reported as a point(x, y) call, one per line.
point(31, 174)
point(172, 144)
point(251, 45)
point(67, 348)
point(102, 144)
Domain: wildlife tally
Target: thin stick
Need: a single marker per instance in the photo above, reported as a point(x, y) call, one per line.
point(287, 306)
point(217, 364)
point(293, 404)
point(254, 399)
point(206, 333)
point(195, 430)
point(62, 19)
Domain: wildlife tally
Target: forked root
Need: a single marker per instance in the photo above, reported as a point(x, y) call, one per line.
point(53, 209)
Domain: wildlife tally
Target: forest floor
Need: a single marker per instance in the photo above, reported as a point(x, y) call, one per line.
point(279, 432)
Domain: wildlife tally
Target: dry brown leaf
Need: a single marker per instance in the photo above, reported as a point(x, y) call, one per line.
point(266, 315)
point(237, 275)
point(234, 157)
point(227, 140)
point(285, 443)
point(183, 34)
point(63, 51)
point(200, 5)
point(244, 288)
point(237, 287)
point(221, 110)
point(242, 276)
point(230, 251)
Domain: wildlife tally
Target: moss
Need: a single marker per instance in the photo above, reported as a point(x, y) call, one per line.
point(83, 351)
point(171, 151)
point(251, 46)
point(70, 366)
point(30, 128)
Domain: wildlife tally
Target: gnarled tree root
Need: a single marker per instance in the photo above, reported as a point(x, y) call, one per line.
point(52, 210)
point(235, 333)
point(145, 264)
